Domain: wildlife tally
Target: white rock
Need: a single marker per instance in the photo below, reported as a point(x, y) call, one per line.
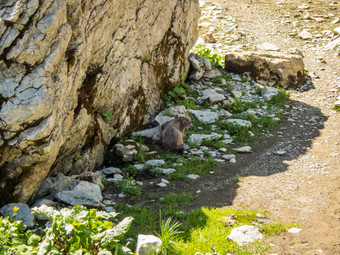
point(245, 234)
point(222, 150)
point(280, 152)
point(198, 191)
point(305, 35)
point(121, 195)
point(229, 156)
point(167, 171)
point(268, 93)
point(155, 162)
point(161, 185)
point(192, 176)
point(237, 93)
point(198, 138)
point(243, 123)
point(148, 244)
point(337, 30)
point(139, 166)
point(245, 149)
point(294, 230)
point(140, 183)
point(165, 181)
point(233, 160)
point(268, 46)
point(206, 116)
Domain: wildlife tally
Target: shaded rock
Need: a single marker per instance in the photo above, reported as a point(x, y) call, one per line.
point(268, 93)
point(44, 201)
point(273, 68)
point(23, 213)
point(84, 193)
point(149, 133)
point(111, 170)
point(206, 116)
point(212, 74)
point(148, 244)
point(245, 234)
point(125, 151)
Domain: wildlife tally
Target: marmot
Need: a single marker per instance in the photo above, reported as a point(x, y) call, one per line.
point(172, 133)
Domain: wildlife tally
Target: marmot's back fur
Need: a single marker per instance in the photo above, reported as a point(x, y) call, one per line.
point(172, 133)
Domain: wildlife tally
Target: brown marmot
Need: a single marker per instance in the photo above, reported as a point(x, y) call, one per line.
point(172, 133)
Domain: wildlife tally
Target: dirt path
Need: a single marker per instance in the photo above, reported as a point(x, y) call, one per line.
point(302, 186)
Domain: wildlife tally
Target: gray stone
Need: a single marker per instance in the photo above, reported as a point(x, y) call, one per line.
point(198, 138)
point(268, 93)
point(212, 96)
point(280, 152)
point(245, 234)
point(155, 162)
point(125, 151)
point(243, 123)
point(148, 244)
point(205, 116)
point(111, 170)
point(85, 193)
point(167, 171)
point(244, 149)
point(161, 185)
point(286, 69)
point(212, 74)
point(149, 133)
point(229, 156)
point(23, 213)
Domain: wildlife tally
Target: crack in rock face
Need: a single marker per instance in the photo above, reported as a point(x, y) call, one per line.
point(75, 74)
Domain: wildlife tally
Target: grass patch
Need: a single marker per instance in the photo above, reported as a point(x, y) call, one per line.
point(180, 198)
point(128, 187)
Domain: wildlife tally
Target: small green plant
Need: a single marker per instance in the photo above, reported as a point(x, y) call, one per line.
point(107, 115)
point(169, 234)
point(174, 199)
point(78, 156)
point(216, 60)
point(79, 231)
point(237, 178)
point(146, 58)
point(336, 108)
point(140, 157)
point(178, 93)
point(128, 187)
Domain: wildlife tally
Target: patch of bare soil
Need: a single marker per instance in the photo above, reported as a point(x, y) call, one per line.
point(303, 185)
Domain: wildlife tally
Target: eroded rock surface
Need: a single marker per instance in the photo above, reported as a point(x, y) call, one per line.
point(75, 74)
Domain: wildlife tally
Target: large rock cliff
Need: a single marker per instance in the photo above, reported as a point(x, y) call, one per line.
point(67, 66)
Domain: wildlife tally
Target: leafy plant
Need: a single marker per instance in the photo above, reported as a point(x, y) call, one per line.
point(215, 60)
point(80, 231)
point(146, 58)
point(168, 234)
point(107, 115)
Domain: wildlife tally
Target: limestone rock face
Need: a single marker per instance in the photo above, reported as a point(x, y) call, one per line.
point(74, 74)
point(268, 67)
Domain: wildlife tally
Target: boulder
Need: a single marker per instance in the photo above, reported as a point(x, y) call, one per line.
point(268, 93)
point(212, 96)
point(245, 234)
point(148, 245)
point(286, 69)
point(75, 74)
point(205, 116)
point(23, 213)
point(84, 193)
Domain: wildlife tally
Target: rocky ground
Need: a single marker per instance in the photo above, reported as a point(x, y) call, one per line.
point(303, 185)
point(292, 172)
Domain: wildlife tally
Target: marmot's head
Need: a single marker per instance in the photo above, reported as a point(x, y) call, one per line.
point(184, 121)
